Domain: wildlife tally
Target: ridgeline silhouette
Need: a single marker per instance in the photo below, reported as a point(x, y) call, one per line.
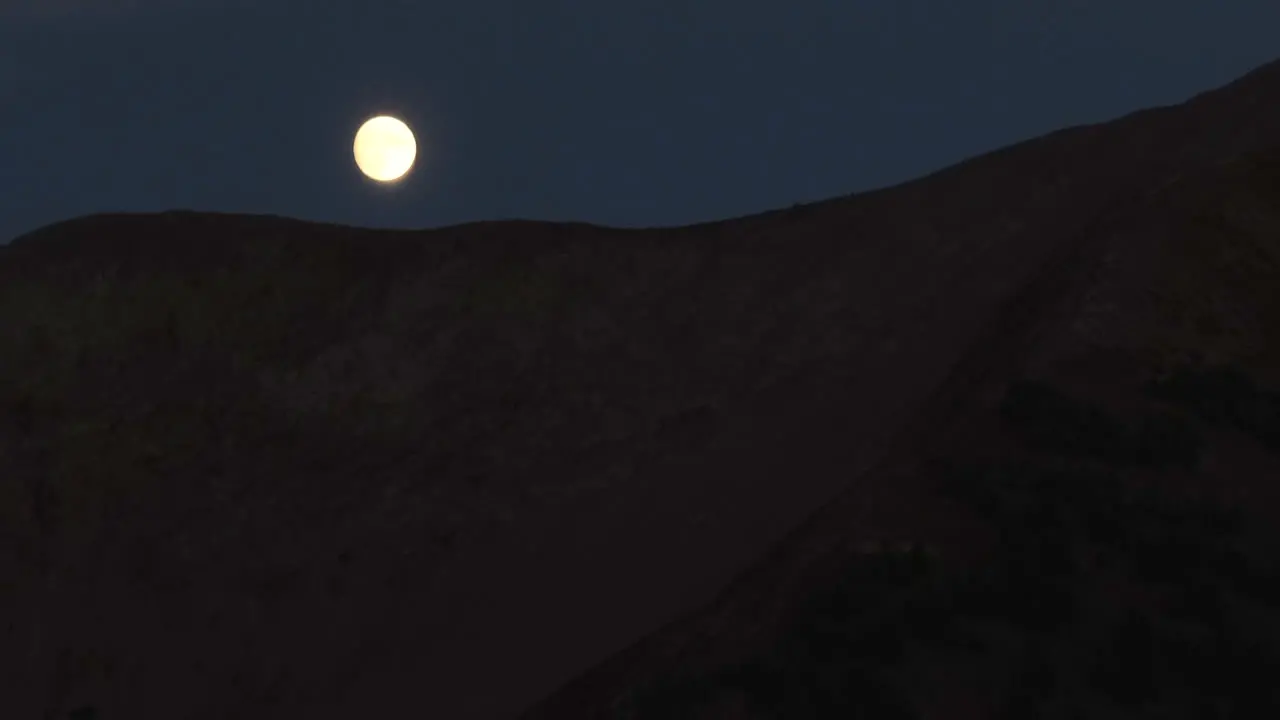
point(994, 441)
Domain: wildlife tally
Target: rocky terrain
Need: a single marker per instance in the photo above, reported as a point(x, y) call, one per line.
point(994, 442)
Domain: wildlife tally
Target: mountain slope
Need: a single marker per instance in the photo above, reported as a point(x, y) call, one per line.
point(310, 469)
point(1180, 278)
point(1166, 530)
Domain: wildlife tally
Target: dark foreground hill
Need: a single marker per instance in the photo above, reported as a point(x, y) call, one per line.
point(259, 468)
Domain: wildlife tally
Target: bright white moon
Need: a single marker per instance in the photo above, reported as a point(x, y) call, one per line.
point(384, 148)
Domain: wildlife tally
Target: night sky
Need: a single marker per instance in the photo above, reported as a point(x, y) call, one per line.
point(620, 112)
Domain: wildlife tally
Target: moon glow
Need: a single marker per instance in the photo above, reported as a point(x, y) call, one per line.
point(384, 148)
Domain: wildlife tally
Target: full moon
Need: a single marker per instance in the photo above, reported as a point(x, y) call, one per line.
point(384, 148)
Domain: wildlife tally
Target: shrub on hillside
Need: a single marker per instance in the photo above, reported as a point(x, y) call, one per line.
point(1049, 420)
point(1259, 416)
point(1125, 668)
point(1162, 439)
point(1226, 397)
point(674, 695)
point(1213, 393)
point(1018, 596)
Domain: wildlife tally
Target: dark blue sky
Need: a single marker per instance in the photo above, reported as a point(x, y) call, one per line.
point(625, 112)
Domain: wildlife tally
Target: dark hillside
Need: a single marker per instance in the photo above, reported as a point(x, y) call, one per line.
point(257, 468)
point(1175, 282)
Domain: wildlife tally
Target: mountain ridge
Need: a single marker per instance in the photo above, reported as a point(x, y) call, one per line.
point(811, 544)
point(490, 455)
